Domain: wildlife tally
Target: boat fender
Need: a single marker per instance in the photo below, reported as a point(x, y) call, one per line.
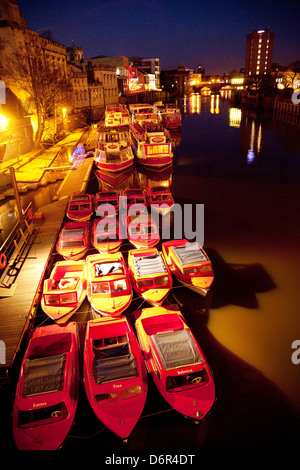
point(3, 260)
point(65, 283)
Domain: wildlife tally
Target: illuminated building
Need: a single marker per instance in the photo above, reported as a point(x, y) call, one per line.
point(259, 53)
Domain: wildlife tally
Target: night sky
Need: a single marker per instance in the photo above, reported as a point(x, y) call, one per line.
point(211, 33)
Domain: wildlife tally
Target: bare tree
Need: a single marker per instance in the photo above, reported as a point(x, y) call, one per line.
point(29, 69)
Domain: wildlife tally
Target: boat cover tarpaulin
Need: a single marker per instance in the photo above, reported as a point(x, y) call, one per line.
point(147, 265)
point(114, 363)
point(44, 375)
point(189, 254)
point(176, 349)
point(72, 233)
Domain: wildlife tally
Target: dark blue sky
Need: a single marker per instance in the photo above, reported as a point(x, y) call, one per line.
point(190, 32)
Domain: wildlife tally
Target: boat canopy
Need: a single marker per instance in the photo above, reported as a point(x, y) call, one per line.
point(176, 349)
point(147, 265)
point(114, 363)
point(72, 233)
point(190, 253)
point(44, 375)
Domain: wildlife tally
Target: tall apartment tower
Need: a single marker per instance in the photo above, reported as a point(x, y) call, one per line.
point(259, 53)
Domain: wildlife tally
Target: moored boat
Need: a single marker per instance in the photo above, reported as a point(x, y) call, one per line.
point(80, 207)
point(115, 377)
point(116, 115)
point(131, 196)
point(152, 144)
point(171, 116)
point(105, 234)
point(175, 361)
point(113, 151)
point(108, 286)
point(190, 264)
point(47, 390)
point(65, 290)
point(74, 240)
point(108, 200)
point(141, 112)
point(160, 199)
point(149, 274)
point(141, 229)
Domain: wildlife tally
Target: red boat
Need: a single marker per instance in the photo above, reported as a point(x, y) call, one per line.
point(116, 115)
point(171, 117)
point(108, 286)
point(113, 151)
point(142, 230)
point(74, 240)
point(105, 234)
point(160, 199)
point(152, 144)
point(190, 264)
point(149, 274)
point(132, 196)
point(80, 207)
point(175, 361)
point(108, 202)
point(65, 290)
point(47, 391)
point(114, 373)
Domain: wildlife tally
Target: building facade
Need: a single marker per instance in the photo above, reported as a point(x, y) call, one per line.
point(259, 53)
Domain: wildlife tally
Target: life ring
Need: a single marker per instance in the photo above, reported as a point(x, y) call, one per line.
point(3, 260)
point(66, 283)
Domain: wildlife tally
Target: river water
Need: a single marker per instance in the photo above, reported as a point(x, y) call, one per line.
point(251, 228)
point(248, 323)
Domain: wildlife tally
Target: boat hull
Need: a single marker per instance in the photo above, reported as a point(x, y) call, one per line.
point(67, 278)
point(188, 387)
point(116, 167)
point(40, 422)
point(74, 240)
point(109, 294)
point(200, 281)
point(149, 275)
point(117, 401)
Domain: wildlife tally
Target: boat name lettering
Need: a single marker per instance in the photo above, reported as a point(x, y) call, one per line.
point(39, 404)
point(185, 371)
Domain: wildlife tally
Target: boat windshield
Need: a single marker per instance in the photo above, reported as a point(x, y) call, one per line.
point(59, 299)
point(142, 229)
point(71, 244)
point(110, 287)
point(184, 381)
point(159, 281)
point(72, 233)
